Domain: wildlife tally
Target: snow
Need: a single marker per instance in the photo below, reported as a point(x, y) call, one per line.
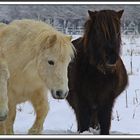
point(126, 111)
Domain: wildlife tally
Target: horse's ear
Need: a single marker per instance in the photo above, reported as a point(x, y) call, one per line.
point(119, 13)
point(48, 41)
point(69, 37)
point(91, 13)
point(51, 40)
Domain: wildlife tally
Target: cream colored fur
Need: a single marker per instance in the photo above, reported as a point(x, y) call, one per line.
point(26, 46)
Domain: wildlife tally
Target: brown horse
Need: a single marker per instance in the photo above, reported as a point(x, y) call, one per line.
point(97, 75)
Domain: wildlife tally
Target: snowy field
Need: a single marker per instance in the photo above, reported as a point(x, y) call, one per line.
point(126, 112)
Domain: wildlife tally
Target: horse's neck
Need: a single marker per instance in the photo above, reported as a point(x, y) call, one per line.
point(19, 61)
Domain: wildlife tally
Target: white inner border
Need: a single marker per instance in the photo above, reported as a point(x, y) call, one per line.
point(80, 135)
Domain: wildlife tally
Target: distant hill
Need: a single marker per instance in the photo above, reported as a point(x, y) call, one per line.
point(11, 12)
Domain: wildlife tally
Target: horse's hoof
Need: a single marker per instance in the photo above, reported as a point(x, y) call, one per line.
point(34, 132)
point(11, 132)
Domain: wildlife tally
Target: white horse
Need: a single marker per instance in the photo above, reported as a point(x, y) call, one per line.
point(33, 60)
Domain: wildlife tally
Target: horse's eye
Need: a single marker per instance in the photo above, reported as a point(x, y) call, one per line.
point(51, 62)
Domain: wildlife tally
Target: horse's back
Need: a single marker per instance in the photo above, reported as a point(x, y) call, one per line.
point(19, 30)
point(32, 25)
point(2, 24)
point(21, 33)
point(77, 43)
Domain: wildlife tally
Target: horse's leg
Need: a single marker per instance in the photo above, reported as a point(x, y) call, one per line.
point(94, 120)
point(73, 101)
point(81, 110)
point(104, 117)
point(9, 122)
point(6, 127)
point(40, 103)
point(83, 117)
point(4, 76)
point(2, 128)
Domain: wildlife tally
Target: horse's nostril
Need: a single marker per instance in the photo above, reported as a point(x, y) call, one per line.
point(59, 93)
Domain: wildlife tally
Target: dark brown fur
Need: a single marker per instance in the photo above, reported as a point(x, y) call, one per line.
point(94, 85)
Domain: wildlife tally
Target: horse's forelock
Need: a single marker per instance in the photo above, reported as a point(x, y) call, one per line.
point(66, 48)
point(107, 22)
point(61, 42)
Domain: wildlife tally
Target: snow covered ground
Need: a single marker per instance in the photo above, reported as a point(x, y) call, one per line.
point(126, 112)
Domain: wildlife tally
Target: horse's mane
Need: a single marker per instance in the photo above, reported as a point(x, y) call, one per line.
point(44, 30)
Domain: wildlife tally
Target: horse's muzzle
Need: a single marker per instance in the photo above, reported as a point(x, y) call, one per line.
point(111, 67)
point(107, 68)
point(59, 94)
